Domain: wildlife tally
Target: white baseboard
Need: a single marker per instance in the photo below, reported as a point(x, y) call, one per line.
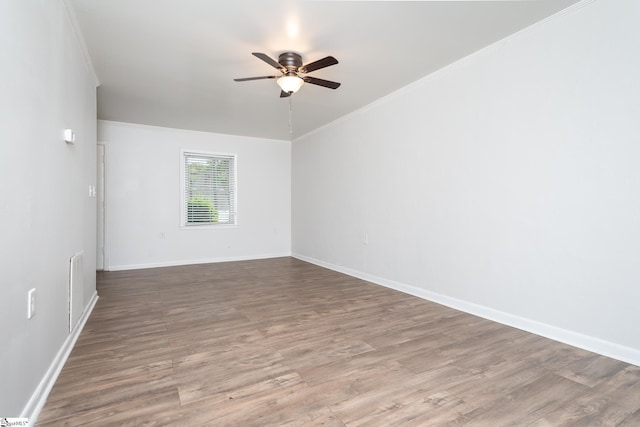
point(39, 396)
point(586, 342)
point(195, 261)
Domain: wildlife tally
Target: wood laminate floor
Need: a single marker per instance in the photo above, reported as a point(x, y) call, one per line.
point(281, 342)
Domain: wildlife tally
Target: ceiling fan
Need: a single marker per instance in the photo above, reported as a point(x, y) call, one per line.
point(294, 72)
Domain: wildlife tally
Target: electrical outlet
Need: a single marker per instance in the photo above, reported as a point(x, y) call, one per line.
point(365, 239)
point(31, 307)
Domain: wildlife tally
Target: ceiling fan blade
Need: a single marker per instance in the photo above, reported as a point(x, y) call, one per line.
point(266, 58)
point(284, 94)
point(321, 82)
point(246, 79)
point(320, 63)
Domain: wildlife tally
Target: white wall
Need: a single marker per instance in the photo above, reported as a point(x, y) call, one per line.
point(46, 214)
point(143, 198)
point(506, 184)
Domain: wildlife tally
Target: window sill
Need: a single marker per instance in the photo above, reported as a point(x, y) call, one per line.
point(208, 227)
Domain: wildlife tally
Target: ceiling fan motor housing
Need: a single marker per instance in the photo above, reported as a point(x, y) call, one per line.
point(290, 60)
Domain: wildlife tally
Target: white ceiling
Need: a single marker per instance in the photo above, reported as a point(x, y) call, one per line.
point(172, 63)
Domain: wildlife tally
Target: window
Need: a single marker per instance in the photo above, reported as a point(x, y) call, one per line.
point(209, 189)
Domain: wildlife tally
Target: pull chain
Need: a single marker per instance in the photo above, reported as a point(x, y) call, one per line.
point(290, 116)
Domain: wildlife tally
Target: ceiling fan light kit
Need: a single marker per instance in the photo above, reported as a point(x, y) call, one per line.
point(290, 83)
point(294, 72)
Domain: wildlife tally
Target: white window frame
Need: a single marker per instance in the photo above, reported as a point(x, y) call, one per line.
point(183, 191)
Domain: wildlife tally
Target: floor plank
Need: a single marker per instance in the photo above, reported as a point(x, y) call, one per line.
point(281, 342)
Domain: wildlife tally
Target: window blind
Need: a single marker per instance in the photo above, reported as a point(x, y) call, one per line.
point(209, 189)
